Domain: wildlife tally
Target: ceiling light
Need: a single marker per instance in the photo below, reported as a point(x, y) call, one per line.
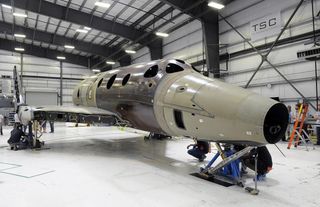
point(162, 34)
point(96, 70)
point(215, 5)
point(102, 4)
point(110, 62)
point(20, 35)
point(19, 15)
point(61, 57)
point(130, 51)
point(69, 46)
point(6, 6)
point(20, 49)
point(82, 30)
point(87, 28)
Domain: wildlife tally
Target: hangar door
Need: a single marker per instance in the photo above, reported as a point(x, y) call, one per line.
point(41, 98)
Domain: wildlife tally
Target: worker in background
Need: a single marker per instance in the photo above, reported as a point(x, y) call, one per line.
point(291, 120)
point(199, 150)
point(44, 126)
point(264, 161)
point(1, 123)
point(51, 126)
point(317, 117)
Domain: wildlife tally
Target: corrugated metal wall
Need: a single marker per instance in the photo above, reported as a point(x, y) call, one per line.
point(34, 66)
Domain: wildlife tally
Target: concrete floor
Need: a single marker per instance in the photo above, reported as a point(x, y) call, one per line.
point(100, 166)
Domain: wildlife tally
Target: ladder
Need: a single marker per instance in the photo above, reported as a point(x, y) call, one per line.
point(298, 133)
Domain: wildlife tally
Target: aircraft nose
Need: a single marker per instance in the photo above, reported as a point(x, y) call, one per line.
point(275, 123)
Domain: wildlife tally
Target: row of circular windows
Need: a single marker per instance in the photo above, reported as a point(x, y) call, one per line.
point(150, 73)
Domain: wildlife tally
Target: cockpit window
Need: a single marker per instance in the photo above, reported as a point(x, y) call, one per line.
point(173, 68)
point(151, 72)
point(111, 80)
point(125, 79)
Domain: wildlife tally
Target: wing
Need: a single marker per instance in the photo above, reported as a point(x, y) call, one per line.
point(76, 114)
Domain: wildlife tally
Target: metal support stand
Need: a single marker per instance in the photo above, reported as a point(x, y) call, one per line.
point(226, 172)
point(254, 191)
point(235, 156)
point(30, 135)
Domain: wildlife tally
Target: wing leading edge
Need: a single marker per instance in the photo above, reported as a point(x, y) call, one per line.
point(68, 114)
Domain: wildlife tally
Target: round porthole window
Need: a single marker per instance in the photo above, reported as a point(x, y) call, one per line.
point(111, 81)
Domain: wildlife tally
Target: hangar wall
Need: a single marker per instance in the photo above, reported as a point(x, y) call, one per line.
point(186, 43)
point(37, 67)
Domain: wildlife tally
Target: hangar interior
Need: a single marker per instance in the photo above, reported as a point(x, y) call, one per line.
point(56, 44)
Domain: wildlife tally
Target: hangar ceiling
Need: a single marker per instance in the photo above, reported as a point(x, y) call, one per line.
point(83, 30)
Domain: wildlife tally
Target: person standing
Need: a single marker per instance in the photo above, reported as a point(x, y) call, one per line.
point(51, 126)
point(1, 123)
point(317, 117)
point(290, 123)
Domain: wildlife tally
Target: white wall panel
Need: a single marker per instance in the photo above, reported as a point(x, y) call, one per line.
point(35, 66)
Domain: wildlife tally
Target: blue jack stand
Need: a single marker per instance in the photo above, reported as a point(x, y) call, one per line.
point(227, 172)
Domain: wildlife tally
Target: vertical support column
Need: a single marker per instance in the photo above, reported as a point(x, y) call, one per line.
point(61, 85)
point(21, 72)
point(211, 39)
point(156, 49)
point(89, 63)
point(315, 61)
point(125, 61)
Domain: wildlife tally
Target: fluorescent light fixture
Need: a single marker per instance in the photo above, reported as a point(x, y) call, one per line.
point(130, 51)
point(87, 28)
point(162, 34)
point(96, 70)
point(102, 4)
point(19, 15)
point(6, 6)
point(61, 57)
point(20, 35)
point(110, 62)
point(20, 49)
point(69, 46)
point(215, 5)
point(82, 30)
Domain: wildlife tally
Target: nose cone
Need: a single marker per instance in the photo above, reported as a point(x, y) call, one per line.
point(275, 123)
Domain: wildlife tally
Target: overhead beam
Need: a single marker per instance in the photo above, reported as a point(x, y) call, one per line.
point(211, 40)
point(55, 39)
point(78, 17)
point(45, 53)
